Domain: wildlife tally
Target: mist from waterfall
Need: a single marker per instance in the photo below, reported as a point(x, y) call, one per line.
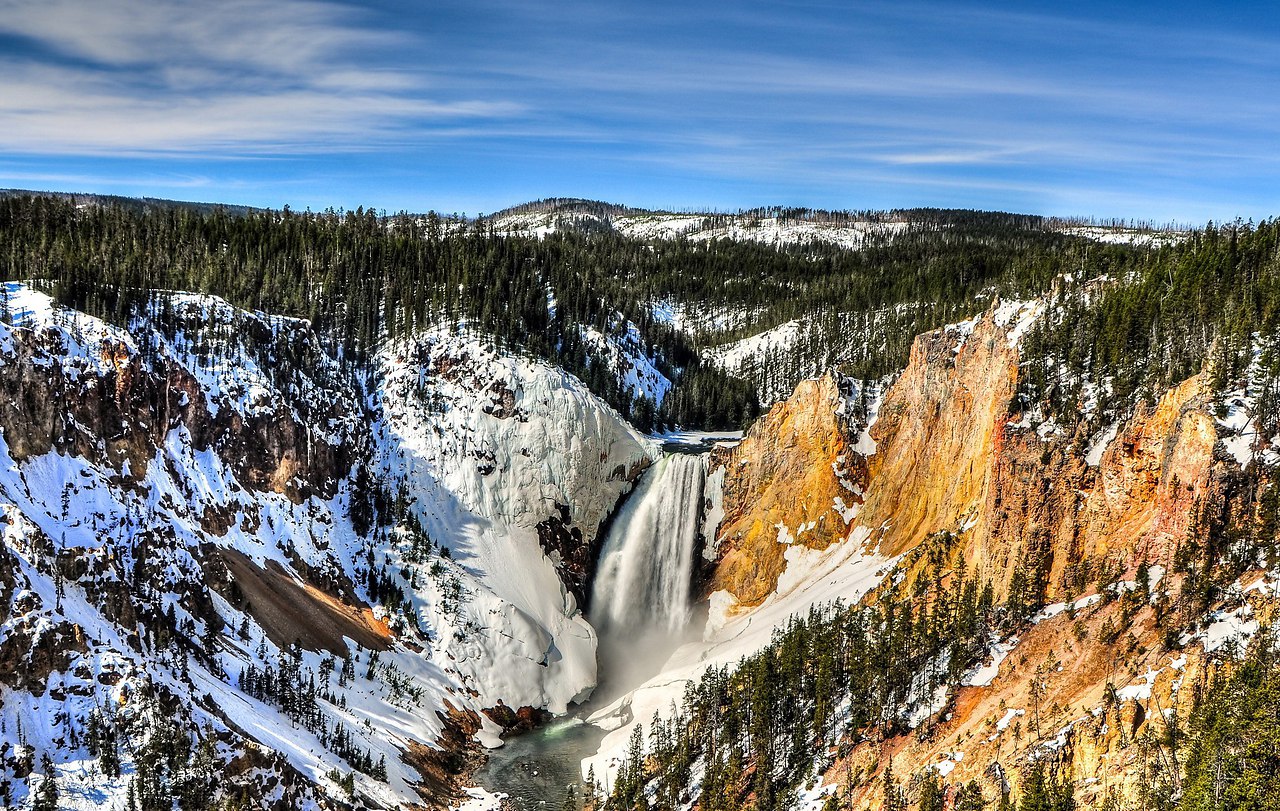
point(646, 565)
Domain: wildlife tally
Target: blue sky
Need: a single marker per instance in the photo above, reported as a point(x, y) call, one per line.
point(1160, 111)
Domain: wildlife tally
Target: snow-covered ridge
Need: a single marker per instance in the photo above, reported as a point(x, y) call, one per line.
point(1140, 237)
point(849, 234)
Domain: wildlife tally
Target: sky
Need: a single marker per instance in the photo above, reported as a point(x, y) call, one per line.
point(1161, 112)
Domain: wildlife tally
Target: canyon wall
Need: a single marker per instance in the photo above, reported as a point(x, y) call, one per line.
point(1042, 513)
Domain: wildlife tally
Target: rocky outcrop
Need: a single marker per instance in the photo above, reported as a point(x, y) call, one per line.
point(98, 397)
point(951, 450)
point(794, 478)
point(938, 434)
point(1042, 512)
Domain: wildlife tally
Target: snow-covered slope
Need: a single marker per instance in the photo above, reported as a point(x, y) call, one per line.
point(215, 545)
point(846, 233)
point(1142, 237)
point(485, 448)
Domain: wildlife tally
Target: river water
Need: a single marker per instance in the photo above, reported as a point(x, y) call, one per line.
point(536, 769)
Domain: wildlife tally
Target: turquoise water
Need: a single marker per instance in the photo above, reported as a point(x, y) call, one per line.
point(537, 768)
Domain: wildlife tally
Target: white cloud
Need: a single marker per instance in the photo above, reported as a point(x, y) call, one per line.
point(247, 76)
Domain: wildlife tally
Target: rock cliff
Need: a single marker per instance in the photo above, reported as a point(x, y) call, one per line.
point(1046, 514)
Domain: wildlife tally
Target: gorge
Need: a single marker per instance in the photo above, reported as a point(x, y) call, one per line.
point(1002, 530)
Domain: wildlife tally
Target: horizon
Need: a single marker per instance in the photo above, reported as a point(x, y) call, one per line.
point(551, 202)
point(1162, 113)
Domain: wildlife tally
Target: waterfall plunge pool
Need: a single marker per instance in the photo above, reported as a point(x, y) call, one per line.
point(537, 769)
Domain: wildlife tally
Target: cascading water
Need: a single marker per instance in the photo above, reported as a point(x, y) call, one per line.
point(642, 581)
point(639, 606)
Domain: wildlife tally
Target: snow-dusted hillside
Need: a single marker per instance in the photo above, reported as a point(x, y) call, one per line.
point(845, 233)
point(484, 449)
point(1140, 237)
point(216, 547)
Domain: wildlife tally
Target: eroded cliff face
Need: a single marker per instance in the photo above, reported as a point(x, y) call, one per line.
point(1051, 515)
point(938, 434)
point(950, 450)
point(88, 390)
point(1048, 504)
point(794, 478)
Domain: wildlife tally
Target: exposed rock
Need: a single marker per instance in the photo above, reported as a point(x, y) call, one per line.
point(291, 611)
point(514, 721)
point(954, 452)
point(784, 484)
point(447, 766)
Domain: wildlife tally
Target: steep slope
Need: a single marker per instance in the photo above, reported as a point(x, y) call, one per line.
point(223, 558)
point(1093, 553)
point(794, 479)
point(492, 456)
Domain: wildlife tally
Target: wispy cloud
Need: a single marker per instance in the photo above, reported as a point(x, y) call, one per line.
point(139, 77)
point(822, 102)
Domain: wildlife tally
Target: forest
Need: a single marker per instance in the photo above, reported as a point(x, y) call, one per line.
point(363, 277)
point(1124, 320)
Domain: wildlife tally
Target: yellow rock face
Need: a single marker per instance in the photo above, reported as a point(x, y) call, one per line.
point(955, 453)
point(938, 434)
point(781, 485)
point(950, 456)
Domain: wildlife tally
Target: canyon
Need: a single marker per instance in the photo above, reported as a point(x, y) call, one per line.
point(341, 585)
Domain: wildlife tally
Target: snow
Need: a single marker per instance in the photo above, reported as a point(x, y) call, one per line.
point(813, 797)
point(845, 571)
point(1017, 317)
point(1242, 431)
point(959, 332)
point(983, 675)
point(637, 372)
point(1239, 426)
point(698, 319)
point(1141, 690)
point(698, 439)
point(768, 230)
point(1094, 456)
point(513, 633)
point(1139, 237)
point(925, 706)
point(772, 342)
point(850, 234)
point(480, 480)
point(713, 492)
point(865, 444)
point(847, 512)
point(82, 337)
point(1007, 719)
point(480, 800)
point(1054, 609)
point(948, 763)
point(1227, 628)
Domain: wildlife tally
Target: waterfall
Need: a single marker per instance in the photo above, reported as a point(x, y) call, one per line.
point(642, 581)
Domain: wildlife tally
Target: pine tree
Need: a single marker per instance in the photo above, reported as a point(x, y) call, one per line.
point(45, 797)
point(932, 795)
